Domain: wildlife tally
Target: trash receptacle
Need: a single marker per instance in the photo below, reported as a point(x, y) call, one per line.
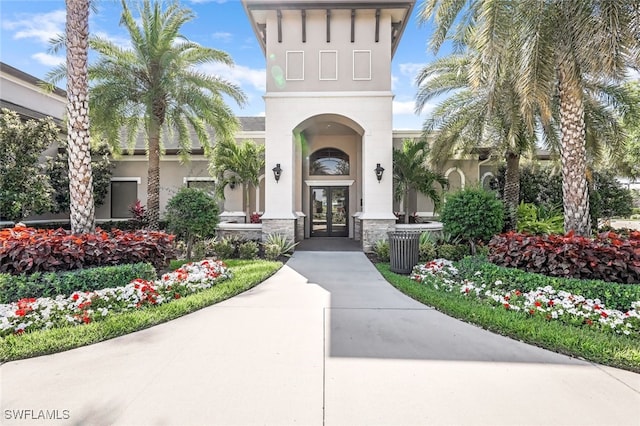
point(404, 250)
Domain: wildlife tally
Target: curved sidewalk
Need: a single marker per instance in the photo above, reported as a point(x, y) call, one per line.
point(324, 341)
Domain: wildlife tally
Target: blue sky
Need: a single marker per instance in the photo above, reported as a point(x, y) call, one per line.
point(27, 25)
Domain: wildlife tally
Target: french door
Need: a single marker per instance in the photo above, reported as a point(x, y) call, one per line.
point(330, 211)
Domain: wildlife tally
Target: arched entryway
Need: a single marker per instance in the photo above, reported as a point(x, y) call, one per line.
point(329, 148)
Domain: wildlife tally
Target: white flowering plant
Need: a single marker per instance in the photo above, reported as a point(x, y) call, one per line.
point(42, 313)
point(546, 302)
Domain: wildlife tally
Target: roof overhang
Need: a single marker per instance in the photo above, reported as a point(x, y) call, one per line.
point(257, 10)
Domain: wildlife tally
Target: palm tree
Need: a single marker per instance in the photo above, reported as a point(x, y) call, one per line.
point(82, 208)
point(561, 44)
point(238, 163)
point(469, 120)
point(411, 172)
point(155, 88)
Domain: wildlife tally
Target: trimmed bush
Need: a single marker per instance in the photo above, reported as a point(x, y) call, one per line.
point(191, 214)
point(612, 295)
point(453, 252)
point(29, 250)
point(51, 284)
point(473, 214)
point(607, 257)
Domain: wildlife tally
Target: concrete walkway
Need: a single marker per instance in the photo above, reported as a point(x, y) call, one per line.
point(324, 341)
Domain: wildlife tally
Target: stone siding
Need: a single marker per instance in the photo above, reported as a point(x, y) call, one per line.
point(374, 230)
point(244, 234)
point(286, 227)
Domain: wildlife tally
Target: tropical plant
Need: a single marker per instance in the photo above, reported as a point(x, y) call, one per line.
point(21, 144)
point(559, 48)
point(248, 250)
point(82, 207)
point(472, 214)
point(277, 245)
point(58, 170)
point(238, 164)
point(471, 119)
point(411, 172)
point(191, 214)
point(155, 88)
point(534, 220)
point(382, 250)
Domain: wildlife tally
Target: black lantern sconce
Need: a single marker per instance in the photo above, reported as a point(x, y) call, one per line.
point(379, 170)
point(232, 185)
point(277, 172)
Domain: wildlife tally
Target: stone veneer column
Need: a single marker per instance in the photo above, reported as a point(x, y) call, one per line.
point(300, 226)
point(374, 230)
point(286, 227)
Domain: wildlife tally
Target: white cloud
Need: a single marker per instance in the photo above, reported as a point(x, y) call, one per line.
point(40, 26)
point(222, 36)
point(208, 1)
point(404, 107)
point(239, 74)
point(261, 114)
point(410, 69)
point(48, 60)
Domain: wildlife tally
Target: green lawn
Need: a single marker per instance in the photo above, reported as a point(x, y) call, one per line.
point(604, 348)
point(247, 274)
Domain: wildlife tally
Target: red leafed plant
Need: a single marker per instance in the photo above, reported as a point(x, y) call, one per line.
point(607, 256)
point(29, 250)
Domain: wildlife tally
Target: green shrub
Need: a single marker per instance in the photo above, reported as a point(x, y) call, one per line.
point(473, 214)
point(453, 252)
point(224, 249)
point(191, 214)
point(51, 284)
point(427, 251)
point(381, 249)
point(612, 295)
point(277, 245)
point(204, 248)
point(248, 250)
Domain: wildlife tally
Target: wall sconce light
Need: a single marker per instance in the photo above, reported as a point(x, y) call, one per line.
point(277, 172)
point(379, 170)
point(232, 185)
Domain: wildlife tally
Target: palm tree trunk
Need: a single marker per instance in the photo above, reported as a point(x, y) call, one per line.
point(406, 205)
point(153, 175)
point(82, 208)
point(575, 192)
point(247, 207)
point(512, 190)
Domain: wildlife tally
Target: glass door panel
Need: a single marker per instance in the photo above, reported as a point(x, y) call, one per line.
point(329, 211)
point(339, 212)
point(319, 211)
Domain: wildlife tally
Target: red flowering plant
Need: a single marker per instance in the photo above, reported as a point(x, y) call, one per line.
point(85, 307)
point(547, 302)
point(255, 218)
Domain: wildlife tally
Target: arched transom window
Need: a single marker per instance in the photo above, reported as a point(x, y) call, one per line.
point(329, 161)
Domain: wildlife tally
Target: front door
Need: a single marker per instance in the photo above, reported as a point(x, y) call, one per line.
point(329, 210)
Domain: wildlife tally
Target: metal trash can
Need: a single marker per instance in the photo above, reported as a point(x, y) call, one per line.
point(404, 250)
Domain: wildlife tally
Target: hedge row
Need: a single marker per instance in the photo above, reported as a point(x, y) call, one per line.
point(612, 295)
point(607, 257)
point(29, 250)
point(51, 284)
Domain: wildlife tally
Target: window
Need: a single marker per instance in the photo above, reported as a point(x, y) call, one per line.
point(329, 161)
point(207, 186)
point(124, 194)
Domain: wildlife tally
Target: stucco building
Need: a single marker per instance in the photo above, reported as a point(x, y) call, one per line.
point(327, 130)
